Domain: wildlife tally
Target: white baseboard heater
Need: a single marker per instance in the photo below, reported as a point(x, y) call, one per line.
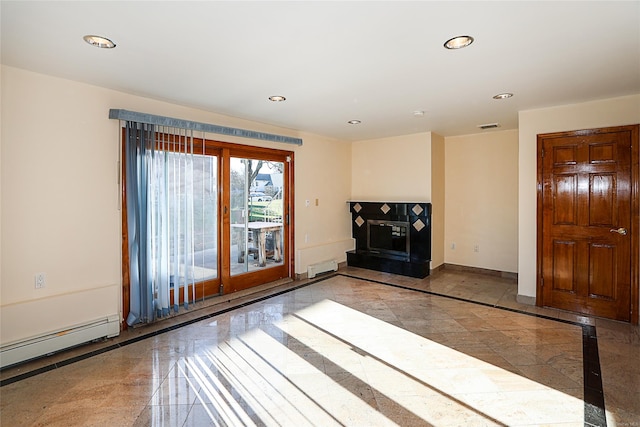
point(321, 267)
point(42, 345)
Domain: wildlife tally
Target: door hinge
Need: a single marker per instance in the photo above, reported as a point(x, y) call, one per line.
point(543, 152)
point(542, 282)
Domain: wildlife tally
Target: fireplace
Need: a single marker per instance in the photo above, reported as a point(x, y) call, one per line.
point(394, 237)
point(389, 237)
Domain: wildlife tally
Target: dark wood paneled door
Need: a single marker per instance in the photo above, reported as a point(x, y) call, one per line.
point(586, 220)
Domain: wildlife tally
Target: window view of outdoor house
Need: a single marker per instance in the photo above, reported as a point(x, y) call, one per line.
point(256, 214)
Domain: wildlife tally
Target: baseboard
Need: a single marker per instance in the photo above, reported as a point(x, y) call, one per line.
point(322, 267)
point(477, 270)
point(305, 275)
point(524, 299)
point(42, 345)
point(438, 268)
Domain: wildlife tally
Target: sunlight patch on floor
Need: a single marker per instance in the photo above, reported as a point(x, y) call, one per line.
point(339, 366)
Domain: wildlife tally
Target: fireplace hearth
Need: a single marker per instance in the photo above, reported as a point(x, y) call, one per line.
point(394, 237)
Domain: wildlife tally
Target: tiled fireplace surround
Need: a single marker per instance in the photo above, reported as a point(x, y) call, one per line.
point(416, 216)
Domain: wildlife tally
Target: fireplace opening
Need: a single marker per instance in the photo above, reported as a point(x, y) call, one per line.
point(389, 237)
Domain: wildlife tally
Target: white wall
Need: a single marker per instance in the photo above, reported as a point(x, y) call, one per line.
point(323, 175)
point(588, 115)
point(406, 168)
point(60, 198)
point(438, 200)
point(396, 169)
point(59, 205)
point(1, 127)
point(481, 200)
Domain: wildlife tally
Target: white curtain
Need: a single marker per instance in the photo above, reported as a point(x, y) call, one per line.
point(160, 219)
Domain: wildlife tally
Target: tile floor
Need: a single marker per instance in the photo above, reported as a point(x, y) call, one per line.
point(361, 348)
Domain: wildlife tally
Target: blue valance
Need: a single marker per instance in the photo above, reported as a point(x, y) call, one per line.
point(201, 127)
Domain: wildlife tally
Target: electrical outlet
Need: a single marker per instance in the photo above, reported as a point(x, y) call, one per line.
point(476, 248)
point(39, 280)
point(453, 246)
point(307, 203)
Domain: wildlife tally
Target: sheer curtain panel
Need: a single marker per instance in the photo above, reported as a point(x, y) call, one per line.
point(160, 219)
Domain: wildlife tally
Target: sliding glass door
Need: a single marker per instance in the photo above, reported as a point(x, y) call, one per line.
point(218, 216)
point(258, 235)
point(256, 215)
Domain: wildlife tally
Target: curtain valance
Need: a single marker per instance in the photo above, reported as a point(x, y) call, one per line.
point(146, 118)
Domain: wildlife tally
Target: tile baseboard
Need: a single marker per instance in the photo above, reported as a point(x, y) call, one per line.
point(525, 299)
point(477, 270)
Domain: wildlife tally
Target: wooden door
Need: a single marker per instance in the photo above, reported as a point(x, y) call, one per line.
point(586, 222)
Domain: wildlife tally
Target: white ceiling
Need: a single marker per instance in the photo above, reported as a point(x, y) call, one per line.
point(336, 61)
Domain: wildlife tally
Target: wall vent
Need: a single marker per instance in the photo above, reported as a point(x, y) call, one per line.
point(489, 126)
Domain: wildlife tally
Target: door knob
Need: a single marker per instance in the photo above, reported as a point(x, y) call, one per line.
point(621, 230)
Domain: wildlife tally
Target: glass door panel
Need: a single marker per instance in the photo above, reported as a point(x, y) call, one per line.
point(205, 196)
point(185, 223)
point(238, 218)
point(256, 217)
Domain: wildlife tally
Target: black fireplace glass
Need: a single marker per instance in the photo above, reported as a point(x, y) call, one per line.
point(391, 237)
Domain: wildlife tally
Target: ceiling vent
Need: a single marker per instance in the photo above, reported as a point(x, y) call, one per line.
point(489, 126)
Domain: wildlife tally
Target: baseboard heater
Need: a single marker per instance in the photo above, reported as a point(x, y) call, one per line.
point(31, 348)
point(321, 267)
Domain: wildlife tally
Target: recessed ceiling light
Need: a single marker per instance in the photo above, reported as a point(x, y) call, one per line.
point(418, 113)
point(99, 41)
point(458, 42)
point(503, 95)
point(277, 98)
point(354, 122)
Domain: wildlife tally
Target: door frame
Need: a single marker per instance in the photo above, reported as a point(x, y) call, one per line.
point(229, 283)
point(634, 234)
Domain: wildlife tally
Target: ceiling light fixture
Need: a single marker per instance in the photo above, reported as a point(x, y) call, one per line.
point(99, 41)
point(458, 42)
point(503, 95)
point(418, 113)
point(277, 98)
point(354, 122)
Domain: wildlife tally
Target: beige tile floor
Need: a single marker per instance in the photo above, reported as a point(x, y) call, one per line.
point(343, 351)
